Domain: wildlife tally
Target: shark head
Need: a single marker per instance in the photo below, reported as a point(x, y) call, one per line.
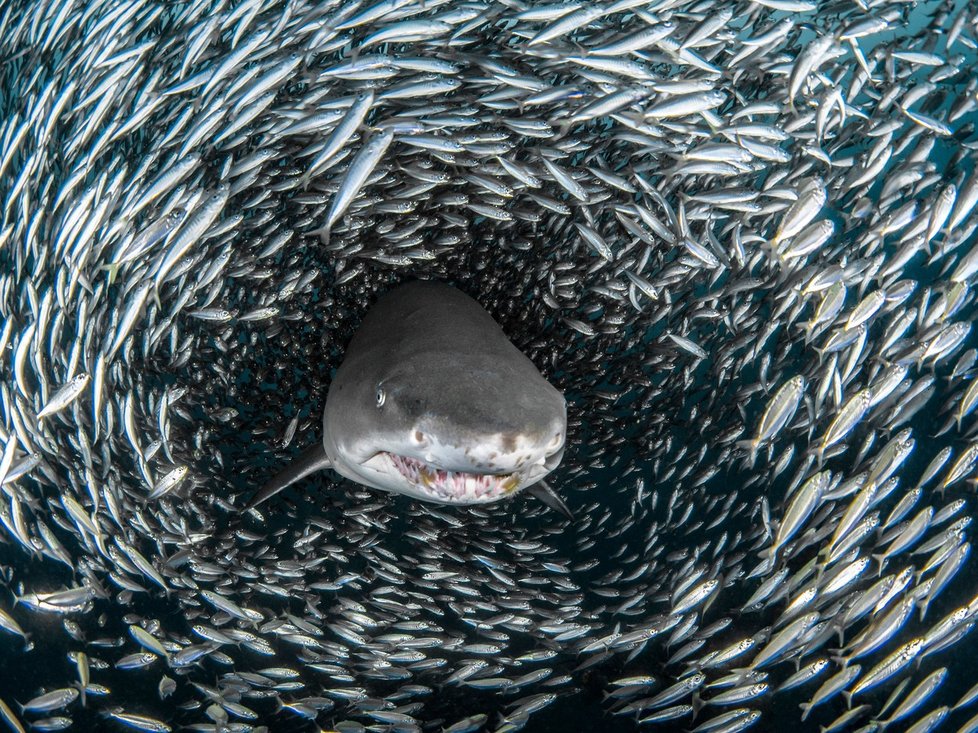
point(433, 401)
point(447, 427)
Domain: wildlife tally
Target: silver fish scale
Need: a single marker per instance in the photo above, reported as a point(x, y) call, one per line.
point(617, 184)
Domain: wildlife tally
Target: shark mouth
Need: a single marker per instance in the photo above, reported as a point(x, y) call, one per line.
point(455, 486)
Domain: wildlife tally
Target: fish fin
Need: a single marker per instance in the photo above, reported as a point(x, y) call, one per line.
point(636, 651)
point(309, 461)
point(841, 632)
point(751, 446)
point(542, 491)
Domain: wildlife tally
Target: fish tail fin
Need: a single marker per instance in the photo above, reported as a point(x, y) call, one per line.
point(819, 572)
point(770, 247)
point(751, 447)
point(309, 461)
point(841, 633)
point(111, 270)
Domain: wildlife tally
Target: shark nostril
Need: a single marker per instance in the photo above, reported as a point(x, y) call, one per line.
point(557, 441)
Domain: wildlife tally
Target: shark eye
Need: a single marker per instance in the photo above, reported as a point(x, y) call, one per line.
point(381, 396)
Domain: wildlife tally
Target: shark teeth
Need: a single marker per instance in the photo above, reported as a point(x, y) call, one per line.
point(455, 486)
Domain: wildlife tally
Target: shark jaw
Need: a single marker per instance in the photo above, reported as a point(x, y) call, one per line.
point(455, 487)
point(459, 473)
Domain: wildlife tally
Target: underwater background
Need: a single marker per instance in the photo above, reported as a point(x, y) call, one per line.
point(739, 237)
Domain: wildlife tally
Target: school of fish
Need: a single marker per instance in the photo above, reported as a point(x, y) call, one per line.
point(740, 237)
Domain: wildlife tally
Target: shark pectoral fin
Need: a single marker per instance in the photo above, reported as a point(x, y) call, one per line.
point(542, 491)
point(309, 461)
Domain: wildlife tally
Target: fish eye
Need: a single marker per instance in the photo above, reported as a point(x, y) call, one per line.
point(381, 396)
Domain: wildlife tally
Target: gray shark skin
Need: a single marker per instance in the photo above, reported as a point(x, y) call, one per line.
point(433, 401)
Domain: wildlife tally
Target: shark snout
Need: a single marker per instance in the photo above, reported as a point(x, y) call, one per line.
point(494, 453)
